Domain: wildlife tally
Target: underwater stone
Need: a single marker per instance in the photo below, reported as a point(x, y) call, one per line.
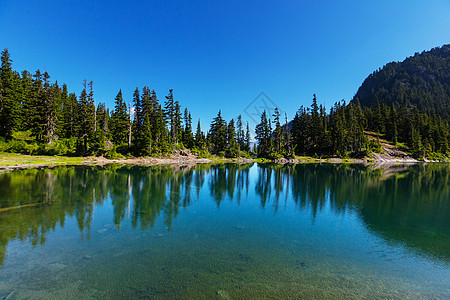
point(244, 257)
point(301, 264)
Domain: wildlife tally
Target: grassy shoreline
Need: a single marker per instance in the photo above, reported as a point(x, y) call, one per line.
point(13, 161)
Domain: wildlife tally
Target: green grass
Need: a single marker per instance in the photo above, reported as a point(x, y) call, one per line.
point(14, 159)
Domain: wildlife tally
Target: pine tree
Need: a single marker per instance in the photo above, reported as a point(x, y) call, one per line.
point(9, 102)
point(85, 120)
point(102, 124)
point(27, 111)
point(247, 139)
point(137, 122)
point(240, 135)
point(277, 133)
point(287, 137)
point(146, 115)
point(37, 108)
point(188, 137)
point(218, 135)
point(232, 150)
point(169, 116)
point(199, 137)
point(314, 129)
point(49, 113)
point(178, 123)
point(299, 133)
point(264, 137)
point(119, 121)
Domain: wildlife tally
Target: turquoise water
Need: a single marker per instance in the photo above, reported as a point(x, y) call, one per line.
point(226, 232)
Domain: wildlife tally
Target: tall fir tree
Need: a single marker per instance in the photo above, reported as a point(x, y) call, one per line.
point(119, 121)
point(278, 141)
point(9, 102)
point(188, 137)
point(233, 150)
point(263, 136)
point(218, 134)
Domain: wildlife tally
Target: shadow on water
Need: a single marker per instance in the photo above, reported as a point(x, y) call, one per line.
point(408, 205)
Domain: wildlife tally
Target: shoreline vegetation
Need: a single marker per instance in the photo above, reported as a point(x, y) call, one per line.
point(38, 117)
point(15, 161)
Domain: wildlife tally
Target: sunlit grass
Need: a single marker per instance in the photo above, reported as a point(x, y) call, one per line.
point(14, 159)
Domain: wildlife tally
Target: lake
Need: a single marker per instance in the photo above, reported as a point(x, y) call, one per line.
point(226, 231)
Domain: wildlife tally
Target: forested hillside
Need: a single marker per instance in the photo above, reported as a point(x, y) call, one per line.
point(38, 116)
point(41, 117)
point(422, 80)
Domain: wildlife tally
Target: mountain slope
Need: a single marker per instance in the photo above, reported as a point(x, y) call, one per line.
point(422, 80)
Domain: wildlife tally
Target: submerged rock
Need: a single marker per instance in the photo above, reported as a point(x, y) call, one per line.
point(301, 264)
point(244, 257)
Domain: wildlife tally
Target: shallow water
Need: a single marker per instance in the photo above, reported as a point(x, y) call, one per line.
point(226, 231)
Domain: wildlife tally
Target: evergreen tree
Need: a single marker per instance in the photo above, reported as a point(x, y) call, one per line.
point(287, 137)
point(146, 115)
point(9, 104)
point(218, 134)
point(137, 122)
point(178, 123)
point(85, 120)
point(240, 135)
point(169, 116)
point(27, 111)
point(233, 150)
point(188, 137)
point(119, 121)
point(247, 139)
point(277, 133)
point(263, 133)
point(200, 142)
point(102, 124)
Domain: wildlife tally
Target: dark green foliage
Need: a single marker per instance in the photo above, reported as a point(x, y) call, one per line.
point(342, 132)
point(37, 116)
point(278, 139)
point(218, 135)
point(247, 139)
point(422, 80)
point(102, 120)
point(264, 137)
point(9, 102)
point(200, 139)
point(119, 121)
point(188, 137)
point(86, 119)
point(233, 150)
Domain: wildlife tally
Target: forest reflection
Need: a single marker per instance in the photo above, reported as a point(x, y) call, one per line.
point(409, 205)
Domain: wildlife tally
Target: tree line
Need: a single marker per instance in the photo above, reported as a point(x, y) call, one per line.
point(353, 131)
point(37, 116)
point(40, 117)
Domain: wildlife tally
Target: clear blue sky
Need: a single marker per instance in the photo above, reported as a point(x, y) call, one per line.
point(219, 54)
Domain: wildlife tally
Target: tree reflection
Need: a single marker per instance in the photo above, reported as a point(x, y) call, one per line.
point(405, 204)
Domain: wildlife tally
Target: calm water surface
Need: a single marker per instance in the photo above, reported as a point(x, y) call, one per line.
point(226, 231)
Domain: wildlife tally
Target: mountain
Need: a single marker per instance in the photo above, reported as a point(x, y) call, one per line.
point(422, 80)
